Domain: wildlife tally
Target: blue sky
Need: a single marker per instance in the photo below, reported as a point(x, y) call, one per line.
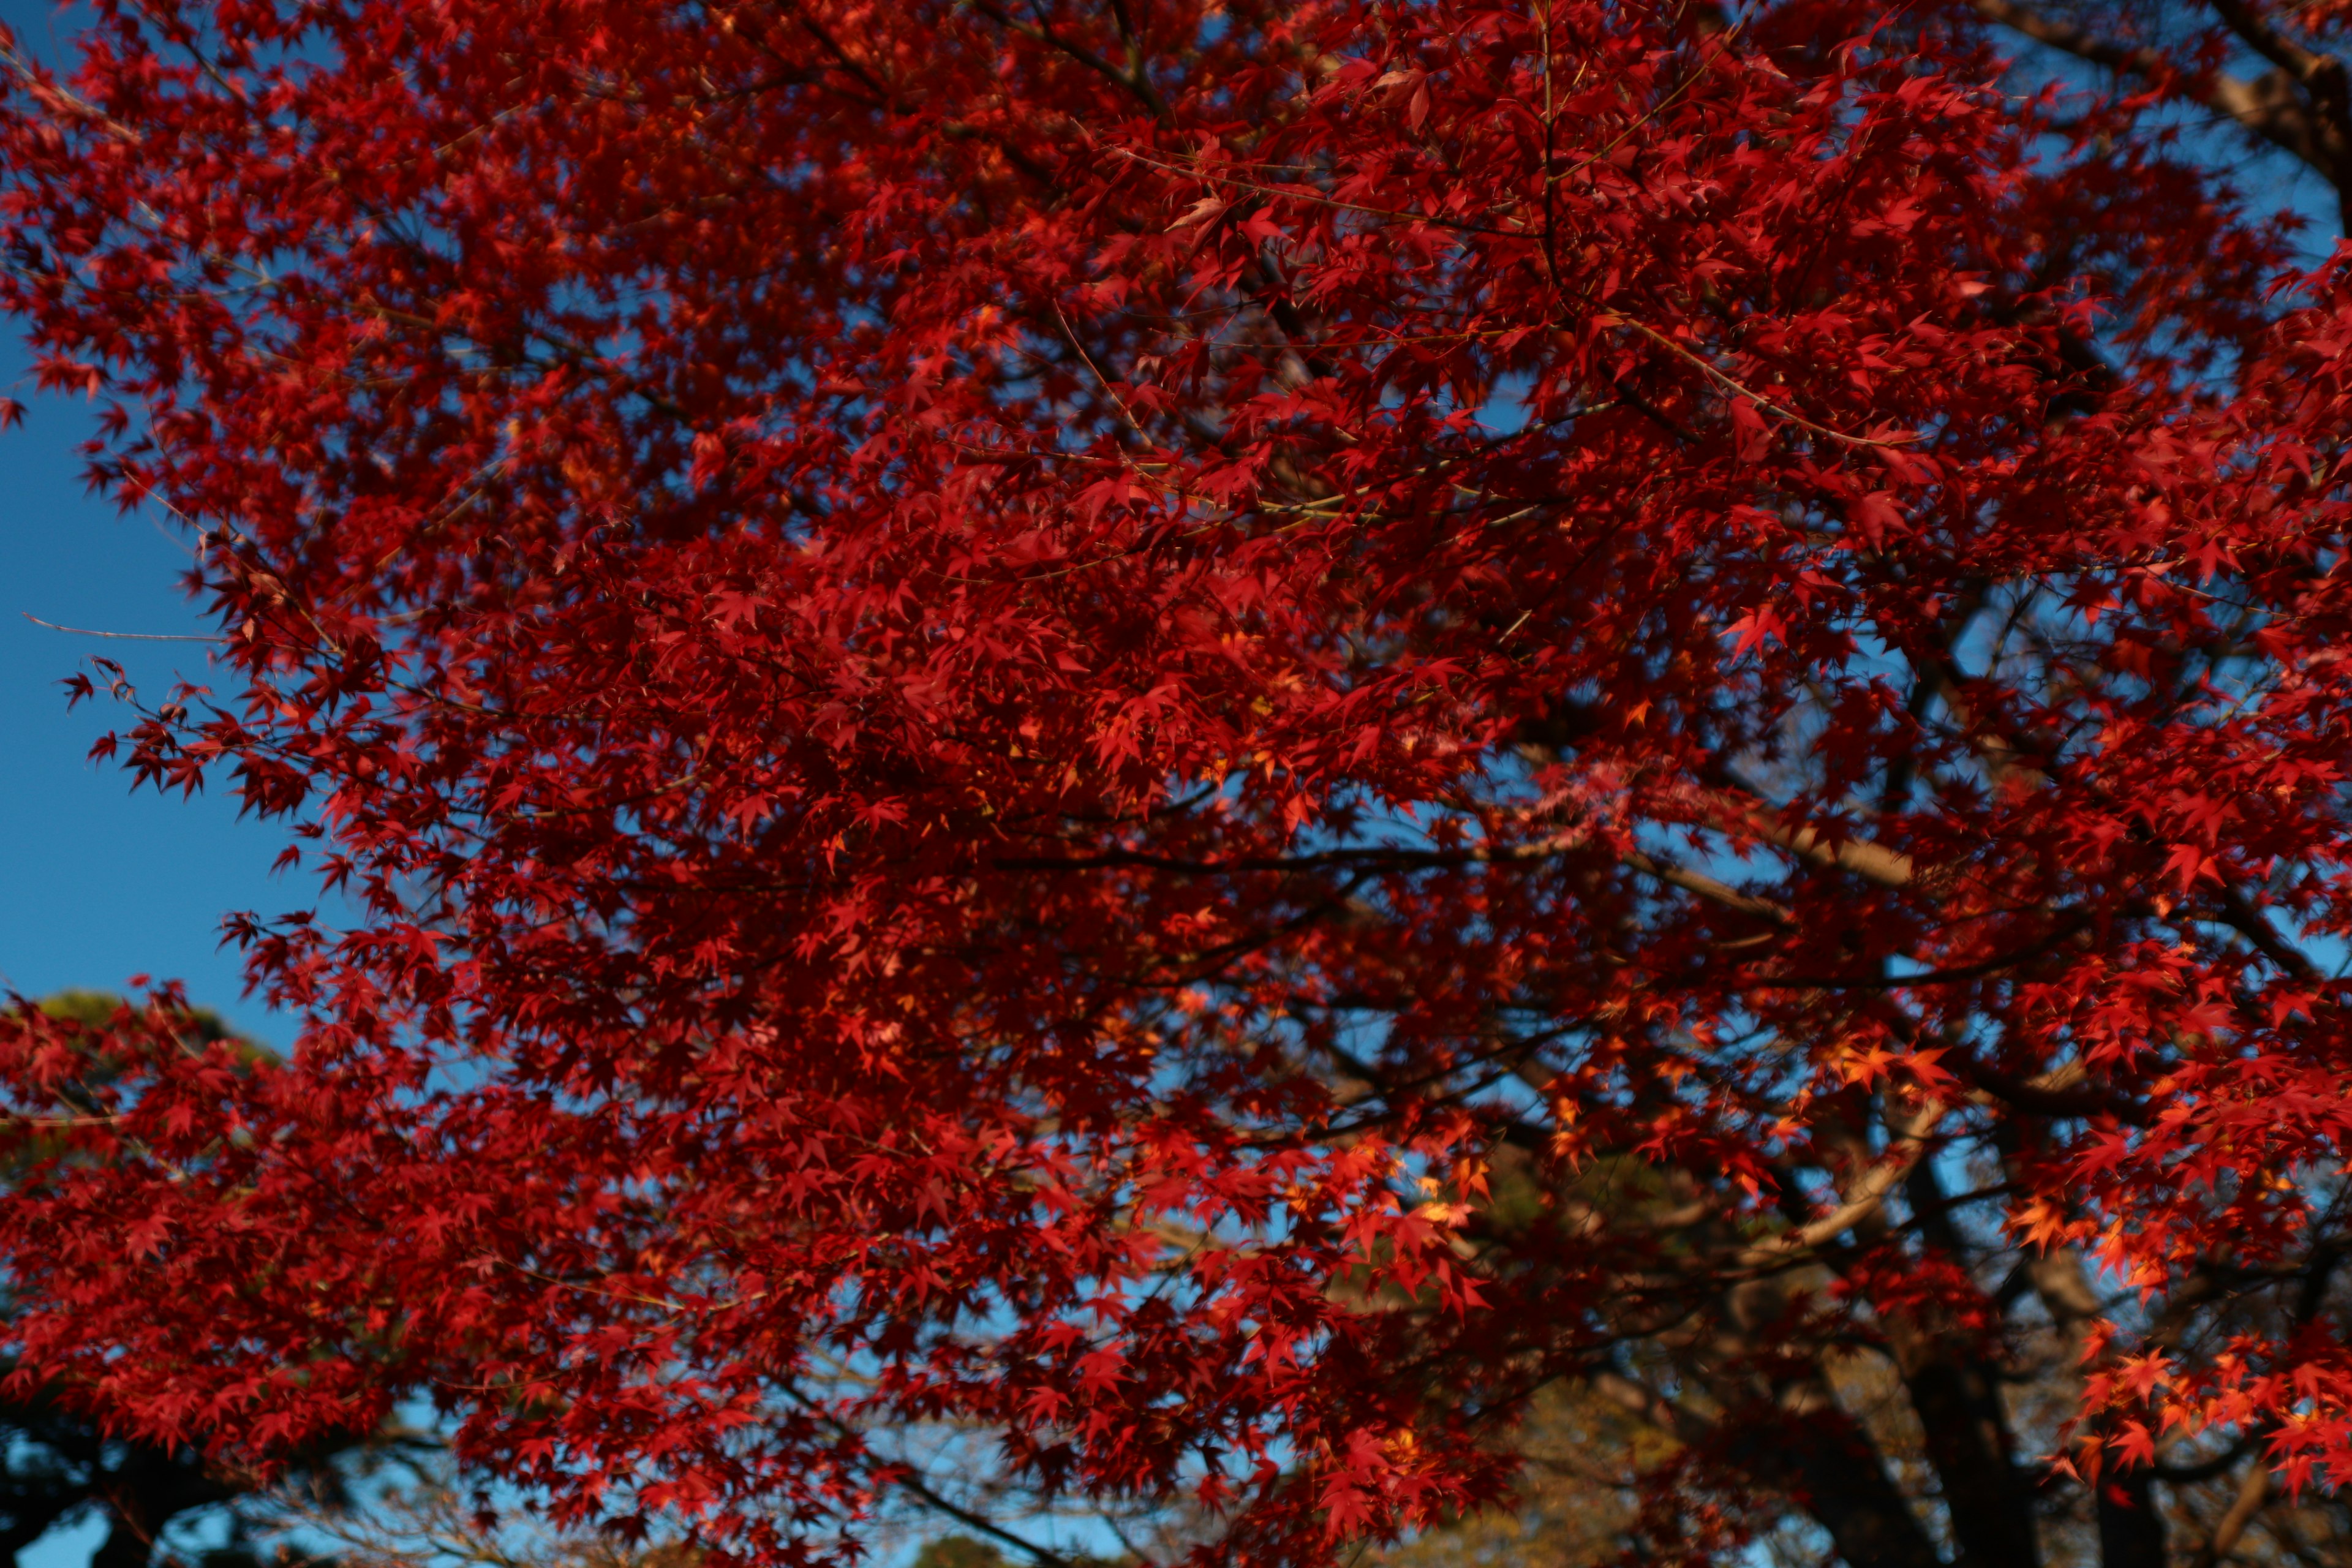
point(101, 884)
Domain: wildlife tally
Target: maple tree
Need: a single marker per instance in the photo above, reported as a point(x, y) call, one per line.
point(1214, 740)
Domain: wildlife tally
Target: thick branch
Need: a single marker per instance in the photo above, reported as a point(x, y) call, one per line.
point(1867, 1196)
point(2299, 107)
point(2252, 1493)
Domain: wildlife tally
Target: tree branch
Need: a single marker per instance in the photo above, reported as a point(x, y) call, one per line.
point(2299, 107)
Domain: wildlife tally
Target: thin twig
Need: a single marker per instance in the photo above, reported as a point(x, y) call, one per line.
point(121, 636)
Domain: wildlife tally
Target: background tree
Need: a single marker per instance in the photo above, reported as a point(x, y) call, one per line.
point(1217, 746)
point(61, 1465)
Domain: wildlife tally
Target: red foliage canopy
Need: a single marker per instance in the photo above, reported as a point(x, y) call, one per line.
point(997, 689)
